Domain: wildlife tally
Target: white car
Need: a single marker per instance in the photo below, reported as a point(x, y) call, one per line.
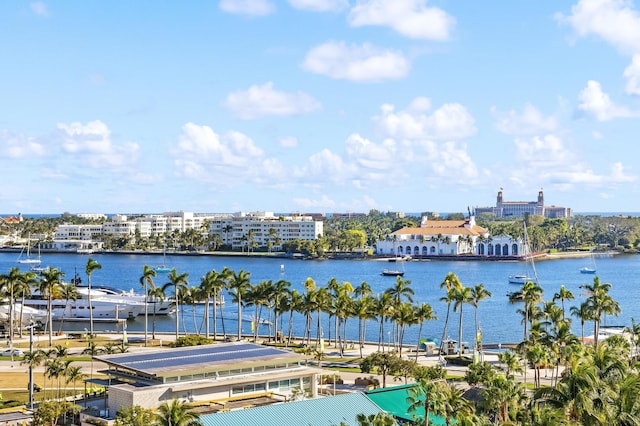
point(12, 352)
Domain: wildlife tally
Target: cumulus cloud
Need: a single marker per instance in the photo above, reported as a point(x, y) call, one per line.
point(594, 101)
point(450, 121)
point(632, 75)
point(224, 159)
point(325, 166)
point(39, 8)
point(91, 143)
point(411, 18)
point(615, 21)
point(19, 146)
point(320, 5)
point(360, 63)
point(529, 122)
point(552, 162)
point(324, 202)
point(247, 7)
point(261, 101)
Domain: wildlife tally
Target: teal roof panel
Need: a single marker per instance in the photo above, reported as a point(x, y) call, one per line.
point(326, 411)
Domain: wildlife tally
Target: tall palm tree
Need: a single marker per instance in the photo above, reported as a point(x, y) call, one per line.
point(92, 265)
point(178, 282)
point(460, 297)
point(583, 313)
point(450, 282)
point(176, 413)
point(600, 303)
point(280, 291)
point(68, 292)
point(424, 312)
point(239, 283)
point(146, 281)
point(50, 281)
point(11, 284)
point(157, 295)
point(562, 295)
point(478, 294)
point(73, 374)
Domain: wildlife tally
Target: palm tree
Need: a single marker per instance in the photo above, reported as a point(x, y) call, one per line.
point(450, 282)
point(583, 313)
point(11, 284)
point(460, 297)
point(424, 312)
point(50, 281)
point(280, 291)
point(176, 413)
point(478, 294)
point(68, 292)
point(239, 283)
point(33, 359)
point(92, 265)
point(157, 295)
point(178, 282)
point(92, 350)
point(146, 281)
point(600, 302)
point(562, 295)
point(73, 374)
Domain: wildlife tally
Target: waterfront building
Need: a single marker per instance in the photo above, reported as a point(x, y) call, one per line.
point(520, 208)
point(213, 376)
point(434, 238)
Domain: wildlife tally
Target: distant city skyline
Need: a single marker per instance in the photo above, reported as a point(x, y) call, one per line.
point(317, 105)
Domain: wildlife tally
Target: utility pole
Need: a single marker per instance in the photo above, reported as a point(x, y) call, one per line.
point(30, 327)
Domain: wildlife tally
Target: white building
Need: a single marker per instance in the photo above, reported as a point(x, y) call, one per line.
point(434, 238)
point(264, 228)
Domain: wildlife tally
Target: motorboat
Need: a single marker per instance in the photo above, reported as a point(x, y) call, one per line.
point(520, 279)
point(587, 270)
point(160, 307)
point(103, 308)
point(22, 314)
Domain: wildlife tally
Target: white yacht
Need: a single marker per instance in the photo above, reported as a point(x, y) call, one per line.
point(162, 307)
point(104, 308)
point(23, 314)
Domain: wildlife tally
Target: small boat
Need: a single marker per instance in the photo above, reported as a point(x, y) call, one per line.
point(163, 268)
point(520, 279)
point(392, 273)
point(587, 270)
point(28, 259)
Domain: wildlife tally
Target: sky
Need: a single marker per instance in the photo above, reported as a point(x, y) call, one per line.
point(317, 105)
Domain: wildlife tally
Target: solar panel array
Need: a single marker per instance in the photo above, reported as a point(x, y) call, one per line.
point(184, 357)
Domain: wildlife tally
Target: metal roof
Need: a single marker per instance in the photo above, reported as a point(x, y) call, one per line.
point(168, 361)
point(327, 411)
point(394, 401)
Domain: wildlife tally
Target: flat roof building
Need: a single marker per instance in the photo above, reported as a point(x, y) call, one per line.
point(520, 208)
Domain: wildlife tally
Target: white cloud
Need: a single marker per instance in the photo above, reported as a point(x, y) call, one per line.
point(247, 7)
point(325, 166)
point(450, 121)
point(19, 146)
point(411, 18)
point(289, 142)
point(230, 159)
point(360, 63)
point(615, 21)
point(597, 103)
point(529, 122)
point(446, 162)
point(261, 101)
point(632, 75)
point(92, 144)
point(320, 5)
point(39, 8)
point(308, 203)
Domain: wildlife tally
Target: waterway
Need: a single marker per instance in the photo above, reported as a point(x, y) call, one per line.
point(499, 320)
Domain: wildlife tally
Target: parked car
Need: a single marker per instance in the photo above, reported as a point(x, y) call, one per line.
point(12, 352)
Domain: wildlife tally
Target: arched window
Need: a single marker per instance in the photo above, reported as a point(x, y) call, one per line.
point(408, 250)
point(490, 248)
point(416, 250)
point(481, 248)
point(425, 250)
point(505, 250)
point(433, 249)
point(497, 250)
point(514, 249)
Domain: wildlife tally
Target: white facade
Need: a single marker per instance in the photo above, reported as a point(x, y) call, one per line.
point(264, 228)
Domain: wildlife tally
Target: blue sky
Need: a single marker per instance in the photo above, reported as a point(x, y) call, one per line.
point(317, 105)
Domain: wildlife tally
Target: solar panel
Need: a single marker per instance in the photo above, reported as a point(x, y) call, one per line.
point(209, 354)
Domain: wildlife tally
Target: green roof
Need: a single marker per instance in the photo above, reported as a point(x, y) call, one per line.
point(393, 400)
point(326, 411)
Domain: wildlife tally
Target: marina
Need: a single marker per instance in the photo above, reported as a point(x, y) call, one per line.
point(499, 319)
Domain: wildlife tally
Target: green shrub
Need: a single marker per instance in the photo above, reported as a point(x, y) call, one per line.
point(190, 340)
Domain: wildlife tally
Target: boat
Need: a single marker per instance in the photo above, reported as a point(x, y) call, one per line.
point(104, 308)
point(28, 259)
point(160, 307)
point(84, 251)
point(591, 269)
point(392, 273)
point(22, 315)
point(521, 278)
point(163, 268)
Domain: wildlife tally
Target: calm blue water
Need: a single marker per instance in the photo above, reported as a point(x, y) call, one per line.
point(498, 319)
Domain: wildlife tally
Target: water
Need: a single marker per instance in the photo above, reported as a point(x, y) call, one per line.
point(498, 319)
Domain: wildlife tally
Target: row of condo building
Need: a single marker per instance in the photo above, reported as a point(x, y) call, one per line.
point(233, 229)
